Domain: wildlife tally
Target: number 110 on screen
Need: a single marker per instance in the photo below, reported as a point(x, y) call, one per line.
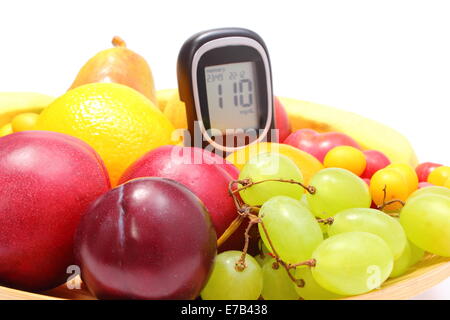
point(231, 84)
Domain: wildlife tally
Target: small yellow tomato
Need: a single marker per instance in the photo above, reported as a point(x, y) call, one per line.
point(24, 121)
point(346, 157)
point(409, 173)
point(395, 186)
point(439, 176)
point(5, 130)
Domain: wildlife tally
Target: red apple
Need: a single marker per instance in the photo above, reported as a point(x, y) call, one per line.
point(193, 168)
point(47, 181)
point(150, 238)
point(423, 170)
point(209, 158)
point(318, 144)
point(375, 160)
point(281, 120)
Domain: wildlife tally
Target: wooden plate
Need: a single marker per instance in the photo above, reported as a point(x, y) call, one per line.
point(424, 275)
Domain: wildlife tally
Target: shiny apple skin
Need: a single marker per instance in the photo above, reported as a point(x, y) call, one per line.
point(150, 238)
point(47, 181)
point(204, 173)
point(281, 120)
point(423, 170)
point(318, 144)
point(375, 160)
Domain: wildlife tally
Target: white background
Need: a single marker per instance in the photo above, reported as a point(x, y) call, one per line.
point(387, 60)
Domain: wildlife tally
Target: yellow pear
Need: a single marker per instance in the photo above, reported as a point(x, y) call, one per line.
point(119, 65)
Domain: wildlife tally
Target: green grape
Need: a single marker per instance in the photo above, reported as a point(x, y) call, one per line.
point(430, 190)
point(402, 263)
point(409, 257)
point(261, 258)
point(263, 254)
point(263, 247)
point(426, 220)
point(416, 253)
point(266, 166)
point(372, 221)
point(227, 283)
point(352, 263)
point(336, 190)
point(293, 230)
point(304, 201)
point(311, 290)
point(324, 227)
point(276, 283)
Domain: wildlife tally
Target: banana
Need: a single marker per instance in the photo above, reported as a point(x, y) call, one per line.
point(175, 111)
point(13, 103)
point(368, 133)
point(371, 135)
point(164, 96)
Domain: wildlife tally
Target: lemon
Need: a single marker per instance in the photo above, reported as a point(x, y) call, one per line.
point(117, 121)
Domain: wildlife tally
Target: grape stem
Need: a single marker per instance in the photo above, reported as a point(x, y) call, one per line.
point(246, 211)
point(247, 183)
point(243, 211)
point(240, 264)
point(309, 263)
point(329, 220)
point(287, 266)
point(386, 203)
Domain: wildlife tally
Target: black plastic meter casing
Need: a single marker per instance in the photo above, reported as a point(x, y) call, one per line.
point(217, 47)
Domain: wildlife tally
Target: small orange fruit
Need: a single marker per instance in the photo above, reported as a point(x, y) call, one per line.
point(346, 157)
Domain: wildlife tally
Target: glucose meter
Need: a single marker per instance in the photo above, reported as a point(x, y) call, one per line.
point(225, 82)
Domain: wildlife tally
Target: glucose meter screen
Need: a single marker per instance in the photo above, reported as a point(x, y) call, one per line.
point(232, 93)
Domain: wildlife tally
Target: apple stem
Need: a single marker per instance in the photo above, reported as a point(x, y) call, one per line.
point(118, 42)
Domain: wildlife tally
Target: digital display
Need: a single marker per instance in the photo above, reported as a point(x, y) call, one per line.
point(232, 94)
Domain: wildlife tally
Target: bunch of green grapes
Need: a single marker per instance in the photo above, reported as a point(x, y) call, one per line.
point(426, 219)
point(267, 166)
point(355, 252)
